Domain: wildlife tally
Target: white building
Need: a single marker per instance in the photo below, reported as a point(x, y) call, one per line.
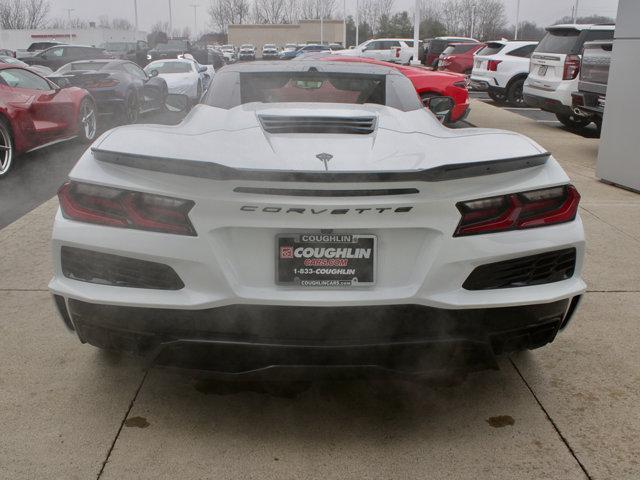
point(93, 36)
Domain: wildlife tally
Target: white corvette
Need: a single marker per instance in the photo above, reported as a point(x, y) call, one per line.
point(316, 214)
point(183, 76)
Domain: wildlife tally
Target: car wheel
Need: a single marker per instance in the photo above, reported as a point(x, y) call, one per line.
point(497, 97)
point(6, 148)
point(515, 96)
point(572, 121)
point(131, 109)
point(87, 121)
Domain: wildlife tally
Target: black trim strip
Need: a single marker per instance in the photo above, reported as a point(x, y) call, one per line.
point(295, 192)
point(216, 171)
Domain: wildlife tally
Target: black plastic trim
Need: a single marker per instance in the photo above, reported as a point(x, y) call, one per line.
point(295, 192)
point(216, 171)
point(107, 269)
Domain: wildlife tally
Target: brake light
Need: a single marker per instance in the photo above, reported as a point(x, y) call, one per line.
point(571, 67)
point(114, 207)
point(492, 65)
point(517, 211)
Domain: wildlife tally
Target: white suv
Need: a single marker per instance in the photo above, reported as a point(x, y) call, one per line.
point(397, 50)
point(555, 66)
point(501, 68)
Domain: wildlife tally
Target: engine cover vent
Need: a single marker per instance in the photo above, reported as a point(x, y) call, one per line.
point(313, 124)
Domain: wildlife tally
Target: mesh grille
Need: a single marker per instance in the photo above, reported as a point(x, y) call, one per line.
point(533, 270)
point(302, 124)
point(107, 269)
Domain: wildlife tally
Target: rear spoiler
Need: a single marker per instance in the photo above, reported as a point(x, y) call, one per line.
point(192, 168)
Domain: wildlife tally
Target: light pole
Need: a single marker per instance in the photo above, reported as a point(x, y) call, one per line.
point(135, 11)
point(517, 19)
point(170, 21)
point(195, 18)
point(344, 24)
point(416, 33)
point(69, 10)
point(357, 22)
point(321, 10)
point(575, 11)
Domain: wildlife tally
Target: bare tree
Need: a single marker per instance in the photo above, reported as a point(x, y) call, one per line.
point(18, 14)
point(223, 13)
point(372, 11)
point(313, 9)
point(269, 11)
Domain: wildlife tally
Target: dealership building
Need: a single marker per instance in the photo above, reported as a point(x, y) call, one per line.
point(305, 31)
point(20, 39)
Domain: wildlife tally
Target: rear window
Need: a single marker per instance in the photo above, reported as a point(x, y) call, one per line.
point(91, 66)
point(562, 41)
point(438, 46)
point(312, 87)
point(169, 67)
point(448, 51)
point(491, 49)
point(463, 48)
point(524, 52)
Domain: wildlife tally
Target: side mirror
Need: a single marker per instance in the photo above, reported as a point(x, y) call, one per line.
point(202, 69)
point(153, 73)
point(176, 102)
point(439, 106)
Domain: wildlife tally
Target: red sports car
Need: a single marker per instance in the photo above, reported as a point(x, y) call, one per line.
point(427, 83)
point(35, 113)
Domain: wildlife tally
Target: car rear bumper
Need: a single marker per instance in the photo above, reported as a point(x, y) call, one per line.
point(548, 104)
point(252, 340)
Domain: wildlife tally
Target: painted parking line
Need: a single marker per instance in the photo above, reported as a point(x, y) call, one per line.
point(548, 121)
point(519, 108)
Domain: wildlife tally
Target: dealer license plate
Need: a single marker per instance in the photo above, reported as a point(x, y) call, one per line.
point(326, 260)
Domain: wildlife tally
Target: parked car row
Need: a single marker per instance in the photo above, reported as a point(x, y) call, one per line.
point(545, 75)
point(40, 107)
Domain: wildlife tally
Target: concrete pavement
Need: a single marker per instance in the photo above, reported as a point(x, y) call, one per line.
point(566, 411)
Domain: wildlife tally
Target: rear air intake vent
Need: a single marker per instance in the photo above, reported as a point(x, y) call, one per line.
point(107, 269)
point(306, 124)
point(520, 272)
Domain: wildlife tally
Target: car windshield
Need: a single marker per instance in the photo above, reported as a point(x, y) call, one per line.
point(559, 41)
point(118, 46)
point(169, 67)
point(171, 46)
point(91, 66)
point(312, 87)
point(12, 61)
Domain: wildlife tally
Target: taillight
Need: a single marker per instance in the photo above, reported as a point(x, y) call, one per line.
point(516, 211)
point(492, 65)
point(125, 209)
point(571, 67)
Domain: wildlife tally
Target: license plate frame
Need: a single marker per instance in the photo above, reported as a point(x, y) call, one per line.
point(323, 266)
point(542, 70)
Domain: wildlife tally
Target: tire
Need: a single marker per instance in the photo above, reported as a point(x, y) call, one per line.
point(497, 97)
point(198, 93)
point(515, 96)
point(573, 122)
point(131, 111)
point(7, 151)
point(87, 121)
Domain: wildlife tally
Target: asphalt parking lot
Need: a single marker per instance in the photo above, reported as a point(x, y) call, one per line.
point(535, 114)
point(566, 411)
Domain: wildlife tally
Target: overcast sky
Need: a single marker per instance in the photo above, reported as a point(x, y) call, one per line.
point(150, 11)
